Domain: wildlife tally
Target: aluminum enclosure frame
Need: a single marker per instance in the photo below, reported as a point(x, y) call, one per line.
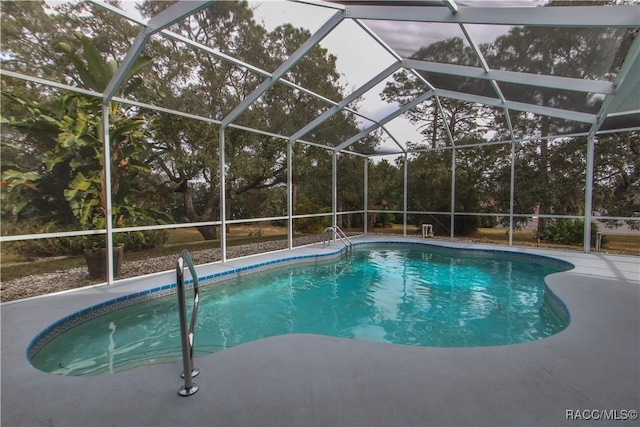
point(617, 93)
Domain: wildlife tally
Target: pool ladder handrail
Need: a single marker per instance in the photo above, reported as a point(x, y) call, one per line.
point(337, 232)
point(187, 335)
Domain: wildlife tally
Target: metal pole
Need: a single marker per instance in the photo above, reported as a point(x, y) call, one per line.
point(187, 332)
point(223, 201)
point(106, 190)
point(290, 194)
point(588, 193)
point(334, 187)
point(453, 192)
point(405, 191)
point(366, 194)
point(512, 191)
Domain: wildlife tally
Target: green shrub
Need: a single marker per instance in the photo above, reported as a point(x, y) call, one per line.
point(465, 225)
point(141, 240)
point(311, 225)
point(385, 220)
point(58, 246)
point(75, 245)
point(488, 221)
point(569, 232)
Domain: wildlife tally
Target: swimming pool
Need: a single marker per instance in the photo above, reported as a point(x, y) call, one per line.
point(399, 294)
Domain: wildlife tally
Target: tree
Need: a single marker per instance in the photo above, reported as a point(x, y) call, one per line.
point(430, 172)
point(350, 197)
point(549, 172)
point(32, 33)
point(198, 83)
point(71, 132)
point(583, 53)
point(616, 178)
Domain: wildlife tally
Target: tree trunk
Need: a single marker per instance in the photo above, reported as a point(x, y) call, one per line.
point(434, 132)
point(544, 175)
point(230, 196)
point(208, 232)
point(294, 195)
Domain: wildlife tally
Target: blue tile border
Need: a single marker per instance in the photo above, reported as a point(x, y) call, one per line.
point(96, 310)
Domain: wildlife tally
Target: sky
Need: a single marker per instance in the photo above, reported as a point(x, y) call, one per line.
point(360, 57)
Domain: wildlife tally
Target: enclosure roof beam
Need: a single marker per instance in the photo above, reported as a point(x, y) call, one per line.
point(630, 67)
point(552, 82)
point(445, 122)
point(346, 101)
point(483, 62)
point(404, 150)
point(320, 3)
point(451, 4)
point(175, 13)
point(560, 16)
point(284, 67)
point(254, 69)
point(399, 111)
point(170, 15)
point(213, 52)
point(377, 39)
point(519, 106)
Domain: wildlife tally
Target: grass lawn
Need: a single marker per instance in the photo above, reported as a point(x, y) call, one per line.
point(612, 243)
point(623, 244)
point(14, 266)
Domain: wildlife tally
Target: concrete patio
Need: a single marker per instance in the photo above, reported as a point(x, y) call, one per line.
point(307, 380)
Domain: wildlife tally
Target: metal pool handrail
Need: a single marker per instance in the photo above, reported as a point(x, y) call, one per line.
point(337, 231)
point(187, 334)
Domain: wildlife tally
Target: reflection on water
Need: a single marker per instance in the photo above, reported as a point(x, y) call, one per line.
point(400, 296)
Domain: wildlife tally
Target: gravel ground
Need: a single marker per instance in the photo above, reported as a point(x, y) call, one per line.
point(40, 284)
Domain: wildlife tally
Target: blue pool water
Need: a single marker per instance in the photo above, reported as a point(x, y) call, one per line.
point(397, 294)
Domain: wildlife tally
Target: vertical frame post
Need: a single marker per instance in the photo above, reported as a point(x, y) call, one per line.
point(405, 197)
point(223, 197)
point(106, 190)
point(290, 194)
point(512, 191)
point(588, 193)
point(366, 195)
point(334, 187)
point(453, 191)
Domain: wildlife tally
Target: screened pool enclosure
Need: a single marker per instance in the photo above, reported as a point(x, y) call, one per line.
point(373, 116)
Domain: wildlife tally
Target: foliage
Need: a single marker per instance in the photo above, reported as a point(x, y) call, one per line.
point(255, 162)
point(141, 240)
point(568, 232)
point(58, 246)
point(310, 225)
point(549, 173)
point(75, 245)
point(617, 177)
point(71, 131)
point(350, 175)
point(51, 152)
point(385, 185)
point(488, 222)
point(385, 220)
